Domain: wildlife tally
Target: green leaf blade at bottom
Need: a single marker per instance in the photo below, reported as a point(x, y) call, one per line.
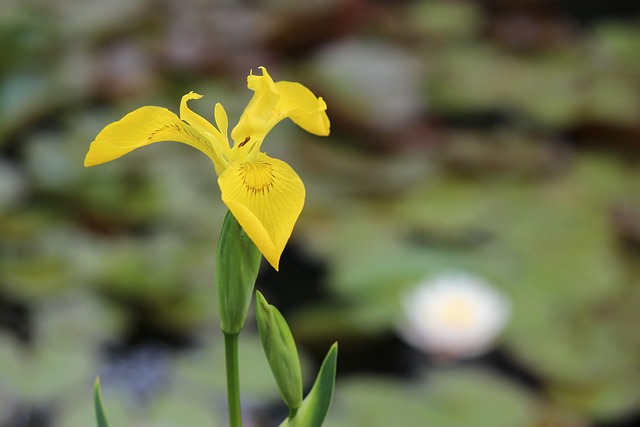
point(316, 404)
point(97, 401)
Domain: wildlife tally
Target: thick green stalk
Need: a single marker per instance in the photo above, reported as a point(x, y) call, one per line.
point(237, 265)
point(233, 379)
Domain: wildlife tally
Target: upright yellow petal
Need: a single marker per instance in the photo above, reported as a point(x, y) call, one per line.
point(275, 101)
point(142, 127)
point(222, 121)
point(218, 139)
point(265, 97)
point(301, 105)
point(256, 119)
point(266, 196)
point(197, 121)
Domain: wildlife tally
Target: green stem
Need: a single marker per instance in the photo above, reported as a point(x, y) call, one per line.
point(233, 379)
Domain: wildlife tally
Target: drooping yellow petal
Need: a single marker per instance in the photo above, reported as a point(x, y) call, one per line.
point(266, 196)
point(142, 127)
point(303, 107)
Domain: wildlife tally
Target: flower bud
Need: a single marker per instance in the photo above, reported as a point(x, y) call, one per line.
point(281, 351)
point(237, 265)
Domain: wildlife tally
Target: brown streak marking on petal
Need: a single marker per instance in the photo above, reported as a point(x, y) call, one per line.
point(250, 188)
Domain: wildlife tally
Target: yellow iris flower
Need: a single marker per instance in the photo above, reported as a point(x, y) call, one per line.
point(264, 194)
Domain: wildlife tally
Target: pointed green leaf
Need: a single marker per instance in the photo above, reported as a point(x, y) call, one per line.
point(97, 401)
point(316, 405)
point(281, 352)
point(237, 265)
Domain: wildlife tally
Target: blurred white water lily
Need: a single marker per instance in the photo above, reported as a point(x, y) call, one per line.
point(454, 315)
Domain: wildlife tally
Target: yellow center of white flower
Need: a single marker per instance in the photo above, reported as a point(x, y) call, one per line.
point(457, 313)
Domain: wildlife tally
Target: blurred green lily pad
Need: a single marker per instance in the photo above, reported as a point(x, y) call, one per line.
point(451, 397)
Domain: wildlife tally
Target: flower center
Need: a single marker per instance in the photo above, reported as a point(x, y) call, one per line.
point(457, 313)
point(257, 177)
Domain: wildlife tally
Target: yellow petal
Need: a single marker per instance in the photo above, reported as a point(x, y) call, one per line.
point(273, 102)
point(301, 105)
point(265, 97)
point(222, 121)
point(256, 119)
point(266, 196)
point(218, 138)
point(142, 127)
point(198, 122)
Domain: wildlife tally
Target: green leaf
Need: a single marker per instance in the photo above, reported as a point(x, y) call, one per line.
point(316, 405)
point(97, 401)
point(280, 349)
point(451, 396)
point(237, 265)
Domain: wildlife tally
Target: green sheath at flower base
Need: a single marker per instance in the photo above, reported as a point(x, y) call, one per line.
point(281, 351)
point(237, 265)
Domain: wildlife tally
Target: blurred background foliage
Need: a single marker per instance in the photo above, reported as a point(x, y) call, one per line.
point(498, 137)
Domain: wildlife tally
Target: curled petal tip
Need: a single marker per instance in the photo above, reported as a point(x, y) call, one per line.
point(193, 95)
